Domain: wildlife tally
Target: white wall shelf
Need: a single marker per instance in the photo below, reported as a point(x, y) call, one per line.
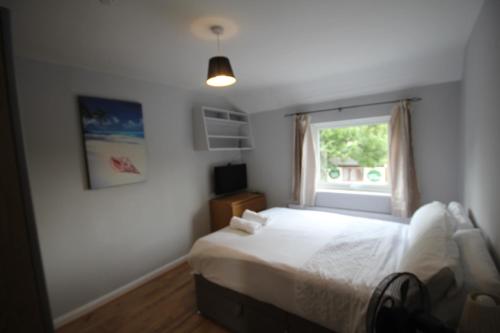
point(219, 129)
point(221, 120)
point(228, 136)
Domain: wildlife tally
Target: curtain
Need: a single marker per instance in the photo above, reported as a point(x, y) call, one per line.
point(404, 187)
point(304, 162)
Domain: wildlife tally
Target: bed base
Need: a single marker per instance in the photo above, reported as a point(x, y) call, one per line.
point(242, 314)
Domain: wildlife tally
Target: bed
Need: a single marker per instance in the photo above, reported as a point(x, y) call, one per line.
point(305, 271)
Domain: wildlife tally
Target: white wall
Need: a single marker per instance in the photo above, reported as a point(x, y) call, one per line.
point(94, 241)
point(436, 142)
point(481, 124)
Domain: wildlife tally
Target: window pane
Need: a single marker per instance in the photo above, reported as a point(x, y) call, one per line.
point(355, 155)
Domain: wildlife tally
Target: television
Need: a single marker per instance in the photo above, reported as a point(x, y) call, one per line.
point(230, 178)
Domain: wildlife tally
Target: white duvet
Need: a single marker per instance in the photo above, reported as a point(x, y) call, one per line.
point(320, 266)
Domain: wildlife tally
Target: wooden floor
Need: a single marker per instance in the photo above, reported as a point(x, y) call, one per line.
point(165, 304)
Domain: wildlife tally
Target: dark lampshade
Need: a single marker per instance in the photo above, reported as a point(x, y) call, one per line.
point(220, 73)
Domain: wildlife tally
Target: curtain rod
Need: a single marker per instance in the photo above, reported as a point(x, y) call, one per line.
point(340, 108)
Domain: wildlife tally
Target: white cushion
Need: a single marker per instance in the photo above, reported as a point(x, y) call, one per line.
point(459, 214)
point(480, 273)
point(430, 247)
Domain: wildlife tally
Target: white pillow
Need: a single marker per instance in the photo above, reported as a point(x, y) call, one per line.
point(430, 218)
point(459, 214)
point(430, 247)
point(480, 273)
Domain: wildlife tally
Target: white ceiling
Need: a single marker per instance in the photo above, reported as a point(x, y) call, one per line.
point(284, 52)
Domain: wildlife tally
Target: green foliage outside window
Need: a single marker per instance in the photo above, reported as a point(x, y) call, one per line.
point(365, 145)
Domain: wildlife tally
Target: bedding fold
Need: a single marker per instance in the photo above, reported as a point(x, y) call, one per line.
point(338, 280)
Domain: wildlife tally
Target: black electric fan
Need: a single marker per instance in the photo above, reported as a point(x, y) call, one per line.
point(401, 304)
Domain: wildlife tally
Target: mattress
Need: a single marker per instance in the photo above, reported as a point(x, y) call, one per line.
point(320, 266)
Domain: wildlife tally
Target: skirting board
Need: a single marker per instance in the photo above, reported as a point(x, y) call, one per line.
point(91, 306)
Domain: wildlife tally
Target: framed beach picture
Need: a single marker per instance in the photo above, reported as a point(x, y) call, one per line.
point(113, 136)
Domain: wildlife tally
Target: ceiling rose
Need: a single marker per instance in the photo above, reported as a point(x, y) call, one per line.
point(201, 27)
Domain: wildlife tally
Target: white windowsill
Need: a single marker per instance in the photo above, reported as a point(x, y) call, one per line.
point(375, 202)
point(358, 213)
point(356, 192)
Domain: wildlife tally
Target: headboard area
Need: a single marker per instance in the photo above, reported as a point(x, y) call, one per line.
point(491, 232)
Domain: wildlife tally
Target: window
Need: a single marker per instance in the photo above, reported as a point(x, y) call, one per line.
point(353, 155)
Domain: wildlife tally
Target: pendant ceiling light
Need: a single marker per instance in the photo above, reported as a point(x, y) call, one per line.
point(220, 73)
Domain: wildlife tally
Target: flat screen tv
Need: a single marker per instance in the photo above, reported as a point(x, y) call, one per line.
point(230, 178)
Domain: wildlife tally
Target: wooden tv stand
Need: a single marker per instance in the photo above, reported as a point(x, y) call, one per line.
point(223, 208)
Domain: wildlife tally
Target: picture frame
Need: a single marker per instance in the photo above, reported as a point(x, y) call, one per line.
point(114, 141)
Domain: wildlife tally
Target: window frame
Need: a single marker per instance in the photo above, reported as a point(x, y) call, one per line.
point(365, 188)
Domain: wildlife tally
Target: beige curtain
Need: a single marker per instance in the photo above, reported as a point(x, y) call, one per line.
point(304, 162)
point(404, 187)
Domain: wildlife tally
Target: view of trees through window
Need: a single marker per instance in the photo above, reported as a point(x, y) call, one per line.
point(354, 155)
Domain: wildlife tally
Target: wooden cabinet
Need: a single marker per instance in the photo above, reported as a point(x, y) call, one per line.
point(223, 208)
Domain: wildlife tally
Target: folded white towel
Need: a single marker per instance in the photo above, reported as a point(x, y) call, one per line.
point(250, 227)
point(250, 215)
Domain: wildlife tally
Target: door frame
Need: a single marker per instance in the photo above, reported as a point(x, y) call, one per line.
point(26, 305)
